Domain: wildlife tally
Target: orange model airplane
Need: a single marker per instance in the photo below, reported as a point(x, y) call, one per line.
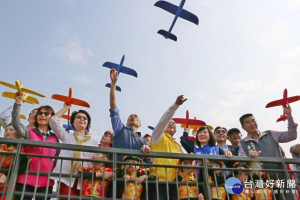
point(189, 122)
point(283, 102)
point(69, 100)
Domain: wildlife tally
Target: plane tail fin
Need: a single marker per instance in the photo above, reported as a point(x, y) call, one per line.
point(166, 34)
point(282, 118)
point(117, 87)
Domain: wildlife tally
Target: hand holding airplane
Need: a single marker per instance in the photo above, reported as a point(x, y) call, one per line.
point(19, 87)
point(285, 101)
point(120, 69)
point(178, 11)
point(69, 100)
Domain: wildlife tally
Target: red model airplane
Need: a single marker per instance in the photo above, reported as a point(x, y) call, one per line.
point(187, 121)
point(69, 100)
point(283, 102)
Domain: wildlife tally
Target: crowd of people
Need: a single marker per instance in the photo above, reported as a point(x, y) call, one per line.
point(46, 126)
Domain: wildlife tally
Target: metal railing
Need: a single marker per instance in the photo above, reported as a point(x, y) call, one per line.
point(210, 181)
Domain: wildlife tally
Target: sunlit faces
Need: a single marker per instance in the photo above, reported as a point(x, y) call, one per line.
point(250, 125)
point(131, 167)
point(235, 138)
point(148, 139)
point(98, 156)
point(31, 117)
point(171, 128)
point(134, 121)
point(188, 163)
point(220, 135)
point(80, 121)
point(43, 117)
point(10, 132)
point(203, 137)
point(106, 138)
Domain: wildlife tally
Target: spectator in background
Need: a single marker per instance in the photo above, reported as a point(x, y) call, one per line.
point(234, 136)
point(147, 137)
point(107, 139)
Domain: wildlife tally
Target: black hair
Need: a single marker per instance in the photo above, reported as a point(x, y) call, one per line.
point(211, 140)
point(218, 127)
point(244, 117)
point(48, 108)
point(84, 112)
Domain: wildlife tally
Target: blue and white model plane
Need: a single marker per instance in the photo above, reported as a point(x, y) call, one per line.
point(178, 11)
point(121, 69)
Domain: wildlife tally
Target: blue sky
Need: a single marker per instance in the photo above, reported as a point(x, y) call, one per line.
point(241, 56)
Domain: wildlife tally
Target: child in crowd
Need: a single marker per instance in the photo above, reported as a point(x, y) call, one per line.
point(131, 187)
point(6, 160)
point(96, 179)
point(216, 177)
point(243, 176)
point(186, 176)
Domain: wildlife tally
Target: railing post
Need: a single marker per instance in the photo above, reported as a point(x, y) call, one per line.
point(114, 158)
point(206, 186)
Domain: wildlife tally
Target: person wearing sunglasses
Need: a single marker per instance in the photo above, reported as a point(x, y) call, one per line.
point(81, 121)
point(107, 139)
point(43, 133)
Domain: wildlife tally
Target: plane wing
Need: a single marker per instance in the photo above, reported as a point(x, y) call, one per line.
point(124, 69)
point(32, 100)
point(197, 126)
point(60, 97)
point(8, 85)
point(179, 120)
point(79, 102)
point(171, 8)
point(73, 101)
point(26, 98)
point(32, 92)
point(293, 99)
point(22, 116)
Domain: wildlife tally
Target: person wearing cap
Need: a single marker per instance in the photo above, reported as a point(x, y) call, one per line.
point(234, 136)
point(107, 139)
point(126, 137)
point(133, 176)
point(163, 141)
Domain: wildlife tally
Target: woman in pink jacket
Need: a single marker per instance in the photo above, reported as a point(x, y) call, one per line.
point(42, 132)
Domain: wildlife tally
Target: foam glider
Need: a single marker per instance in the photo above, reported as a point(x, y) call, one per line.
point(19, 87)
point(121, 69)
point(69, 100)
point(189, 122)
point(178, 11)
point(196, 127)
point(26, 98)
point(283, 102)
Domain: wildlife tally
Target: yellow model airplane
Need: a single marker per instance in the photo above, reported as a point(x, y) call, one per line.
point(26, 98)
point(18, 86)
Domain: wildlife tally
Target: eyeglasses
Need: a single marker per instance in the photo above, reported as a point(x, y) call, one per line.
point(44, 113)
point(220, 131)
point(106, 135)
point(81, 117)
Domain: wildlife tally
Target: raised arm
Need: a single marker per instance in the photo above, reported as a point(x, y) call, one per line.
point(291, 133)
point(21, 130)
point(62, 111)
point(185, 142)
point(112, 95)
point(164, 120)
